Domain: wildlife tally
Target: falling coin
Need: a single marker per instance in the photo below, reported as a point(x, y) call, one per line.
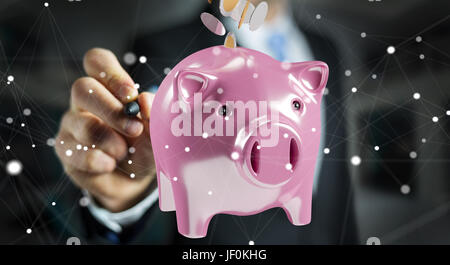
point(227, 6)
point(243, 14)
point(259, 16)
point(213, 24)
point(230, 40)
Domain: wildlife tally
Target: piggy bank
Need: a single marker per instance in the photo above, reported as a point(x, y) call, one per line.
point(235, 131)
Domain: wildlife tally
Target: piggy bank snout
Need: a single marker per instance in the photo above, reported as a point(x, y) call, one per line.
point(272, 160)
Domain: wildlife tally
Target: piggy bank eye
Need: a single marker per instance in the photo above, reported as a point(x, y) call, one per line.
point(297, 105)
point(223, 111)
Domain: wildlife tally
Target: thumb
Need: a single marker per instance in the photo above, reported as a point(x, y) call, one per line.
point(145, 100)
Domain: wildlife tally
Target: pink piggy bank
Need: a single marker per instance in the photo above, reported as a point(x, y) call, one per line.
point(235, 131)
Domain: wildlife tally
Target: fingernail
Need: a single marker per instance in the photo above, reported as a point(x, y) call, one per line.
point(133, 127)
point(128, 93)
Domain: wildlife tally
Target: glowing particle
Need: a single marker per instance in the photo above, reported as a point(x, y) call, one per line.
point(326, 150)
point(142, 59)
point(318, 16)
point(258, 147)
point(326, 91)
point(435, 119)
point(376, 148)
point(255, 75)
point(348, 73)
point(447, 112)
point(227, 118)
point(9, 120)
point(418, 38)
point(53, 203)
point(29, 231)
point(93, 146)
point(8, 147)
point(91, 91)
point(424, 140)
point(216, 50)
point(354, 89)
point(390, 50)
point(10, 78)
point(405, 189)
point(374, 76)
point(85, 148)
point(27, 112)
point(187, 149)
point(230, 41)
point(69, 152)
point(205, 135)
point(102, 74)
point(285, 135)
point(363, 34)
point(213, 24)
point(62, 142)
point(130, 162)
point(313, 129)
point(251, 242)
point(79, 146)
point(129, 58)
point(416, 96)
point(131, 150)
point(288, 166)
point(413, 155)
point(166, 146)
point(84, 201)
point(137, 85)
point(33, 146)
point(421, 56)
point(175, 178)
point(14, 167)
point(373, 241)
point(285, 65)
point(355, 160)
point(51, 142)
point(235, 155)
point(22, 124)
point(167, 70)
point(209, 193)
point(132, 175)
point(219, 90)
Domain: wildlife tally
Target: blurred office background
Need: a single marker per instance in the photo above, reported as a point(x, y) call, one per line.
point(396, 105)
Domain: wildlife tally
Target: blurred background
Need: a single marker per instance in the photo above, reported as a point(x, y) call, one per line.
point(395, 105)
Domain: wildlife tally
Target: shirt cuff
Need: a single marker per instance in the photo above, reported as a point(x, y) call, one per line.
point(116, 221)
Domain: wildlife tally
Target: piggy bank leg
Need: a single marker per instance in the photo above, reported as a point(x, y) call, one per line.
point(298, 210)
point(166, 201)
point(192, 221)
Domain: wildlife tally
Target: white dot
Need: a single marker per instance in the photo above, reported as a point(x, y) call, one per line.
point(91, 91)
point(326, 91)
point(175, 178)
point(416, 96)
point(27, 112)
point(102, 74)
point(390, 50)
point(288, 166)
point(79, 146)
point(9, 120)
point(209, 193)
point(363, 34)
point(142, 59)
point(167, 70)
point(10, 78)
point(93, 146)
point(405, 189)
point(8, 147)
point(130, 162)
point(285, 135)
point(22, 124)
point(51, 142)
point(68, 152)
point(137, 85)
point(131, 150)
point(8, 82)
point(418, 38)
point(285, 65)
point(355, 160)
point(62, 142)
point(348, 73)
point(166, 146)
point(413, 155)
point(255, 75)
point(129, 58)
point(132, 175)
point(251, 242)
point(29, 231)
point(187, 149)
point(33, 145)
point(313, 129)
point(14, 167)
point(219, 90)
point(354, 89)
point(235, 155)
point(447, 112)
point(84, 201)
point(326, 150)
point(227, 118)
point(424, 140)
point(85, 148)
point(258, 147)
point(216, 51)
point(374, 76)
point(376, 147)
point(128, 97)
point(318, 16)
point(421, 56)
point(205, 135)
point(435, 119)
point(53, 203)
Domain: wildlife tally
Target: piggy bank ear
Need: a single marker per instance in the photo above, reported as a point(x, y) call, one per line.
point(189, 82)
point(312, 76)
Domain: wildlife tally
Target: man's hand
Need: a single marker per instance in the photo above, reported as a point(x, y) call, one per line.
point(116, 177)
